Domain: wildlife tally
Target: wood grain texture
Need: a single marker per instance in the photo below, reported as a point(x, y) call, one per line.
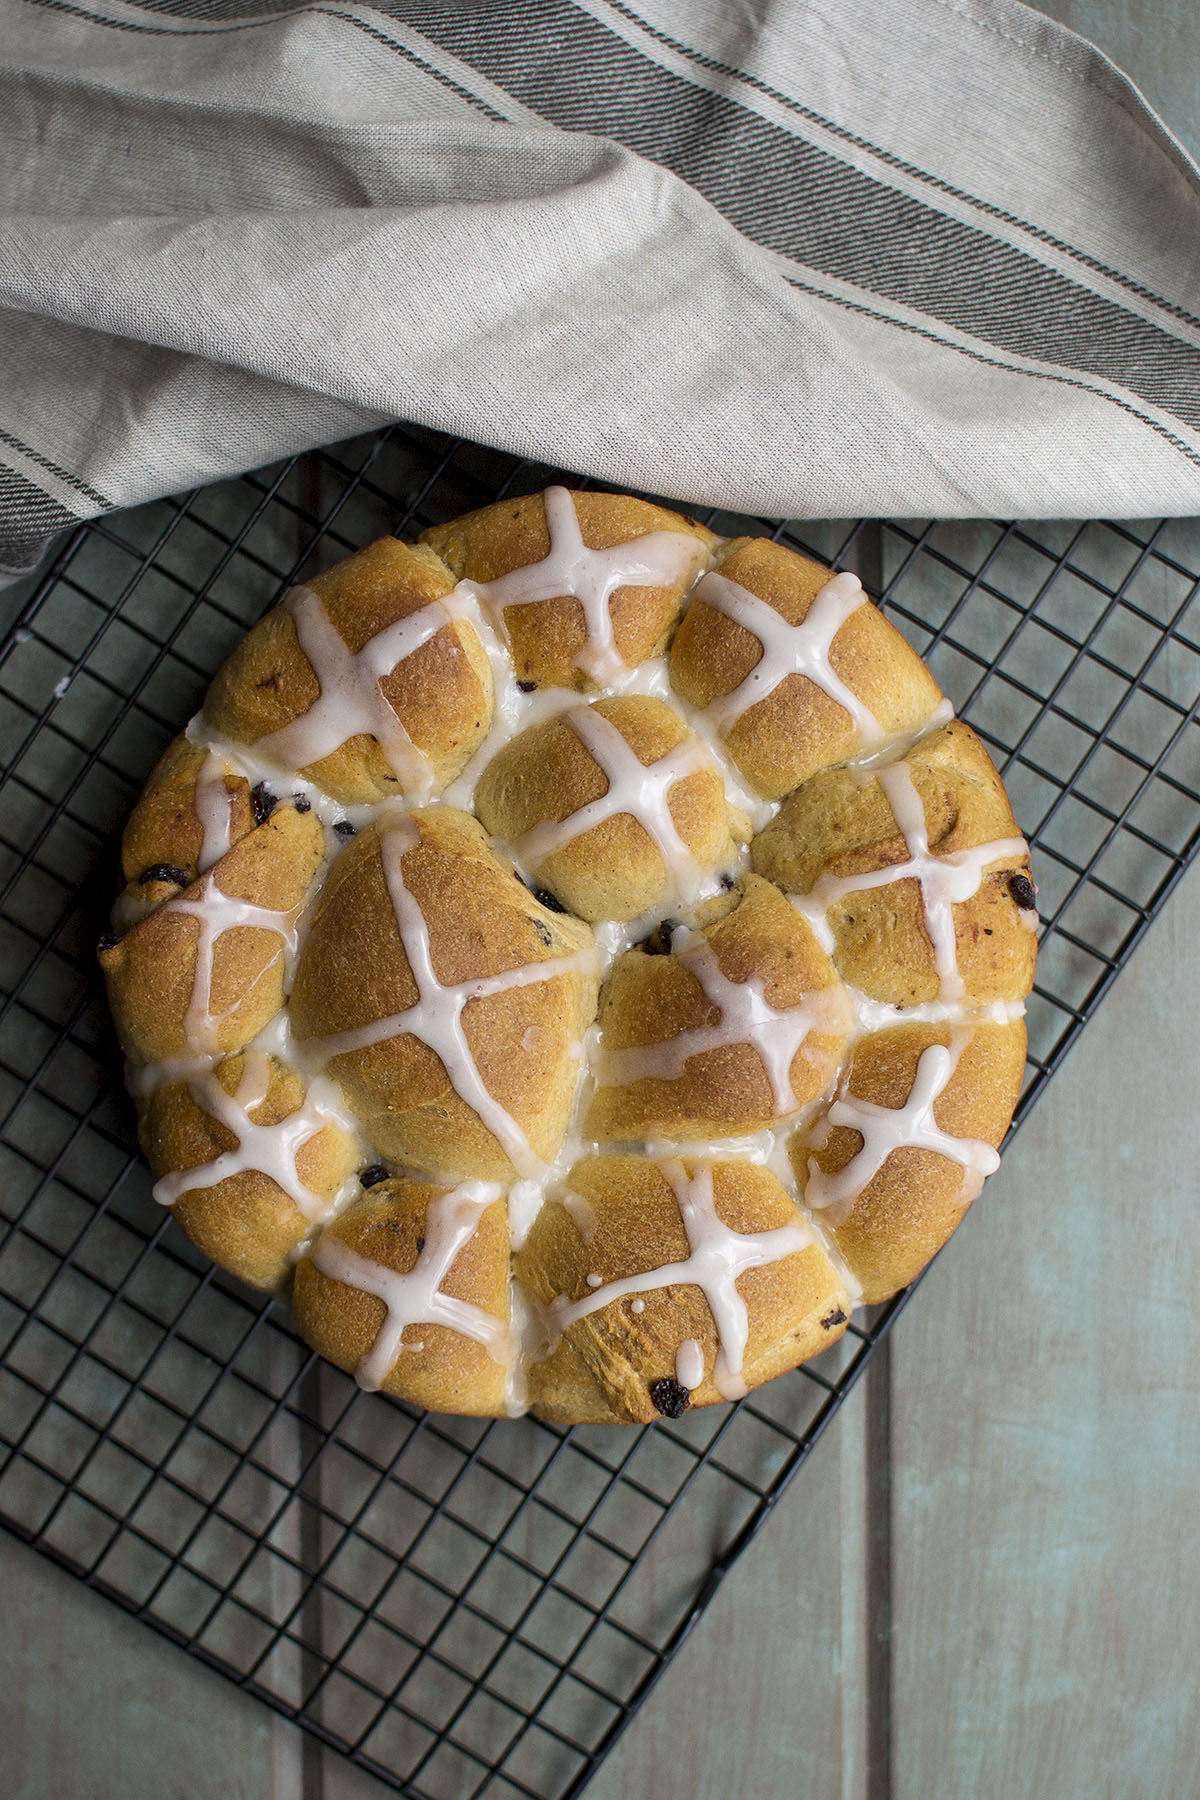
point(95, 1707)
point(1046, 1558)
point(766, 1697)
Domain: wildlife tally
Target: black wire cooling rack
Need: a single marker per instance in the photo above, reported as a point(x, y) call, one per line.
point(456, 1604)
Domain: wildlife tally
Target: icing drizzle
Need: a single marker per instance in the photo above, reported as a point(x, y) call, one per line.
point(214, 809)
point(658, 559)
point(689, 1364)
point(639, 789)
point(887, 1128)
point(416, 1298)
point(747, 1017)
point(802, 649)
point(719, 1255)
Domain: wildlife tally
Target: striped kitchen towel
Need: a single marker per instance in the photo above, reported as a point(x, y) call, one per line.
point(918, 257)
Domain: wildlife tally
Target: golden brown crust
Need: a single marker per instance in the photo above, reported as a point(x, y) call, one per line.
point(785, 738)
point(840, 825)
point(244, 1221)
point(547, 637)
point(417, 987)
point(721, 1091)
point(612, 869)
point(905, 1212)
point(151, 972)
point(795, 1305)
point(441, 693)
point(439, 1366)
point(164, 829)
point(481, 922)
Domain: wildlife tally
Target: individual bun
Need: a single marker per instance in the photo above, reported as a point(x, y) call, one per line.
point(615, 806)
point(415, 709)
point(208, 968)
point(577, 956)
point(248, 1160)
point(915, 872)
point(737, 1026)
point(190, 804)
point(892, 1163)
point(409, 1288)
point(644, 1268)
point(445, 999)
point(558, 636)
point(797, 671)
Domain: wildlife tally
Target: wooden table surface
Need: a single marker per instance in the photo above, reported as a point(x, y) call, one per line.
point(984, 1582)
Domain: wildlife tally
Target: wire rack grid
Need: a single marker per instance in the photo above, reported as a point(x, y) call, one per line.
point(464, 1607)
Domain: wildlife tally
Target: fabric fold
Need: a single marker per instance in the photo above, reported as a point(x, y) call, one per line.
point(910, 258)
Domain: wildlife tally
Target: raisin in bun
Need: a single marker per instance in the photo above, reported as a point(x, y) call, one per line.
point(579, 958)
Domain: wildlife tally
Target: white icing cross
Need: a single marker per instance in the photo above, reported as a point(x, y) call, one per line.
point(747, 1016)
point(218, 913)
point(639, 789)
point(881, 1015)
point(887, 1128)
point(269, 1149)
point(689, 1364)
point(436, 1016)
point(416, 1299)
point(214, 809)
point(802, 649)
point(658, 559)
point(352, 701)
point(718, 1257)
point(945, 881)
point(582, 1212)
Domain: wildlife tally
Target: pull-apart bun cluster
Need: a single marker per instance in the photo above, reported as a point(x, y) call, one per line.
point(582, 957)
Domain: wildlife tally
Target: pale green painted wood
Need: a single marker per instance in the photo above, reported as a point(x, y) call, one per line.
point(95, 1707)
point(767, 1697)
point(1042, 1523)
point(1046, 1433)
point(764, 1696)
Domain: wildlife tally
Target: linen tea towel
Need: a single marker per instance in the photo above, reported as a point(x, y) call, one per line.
point(927, 257)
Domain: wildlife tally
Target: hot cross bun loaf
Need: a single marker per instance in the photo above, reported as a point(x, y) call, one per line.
point(579, 956)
